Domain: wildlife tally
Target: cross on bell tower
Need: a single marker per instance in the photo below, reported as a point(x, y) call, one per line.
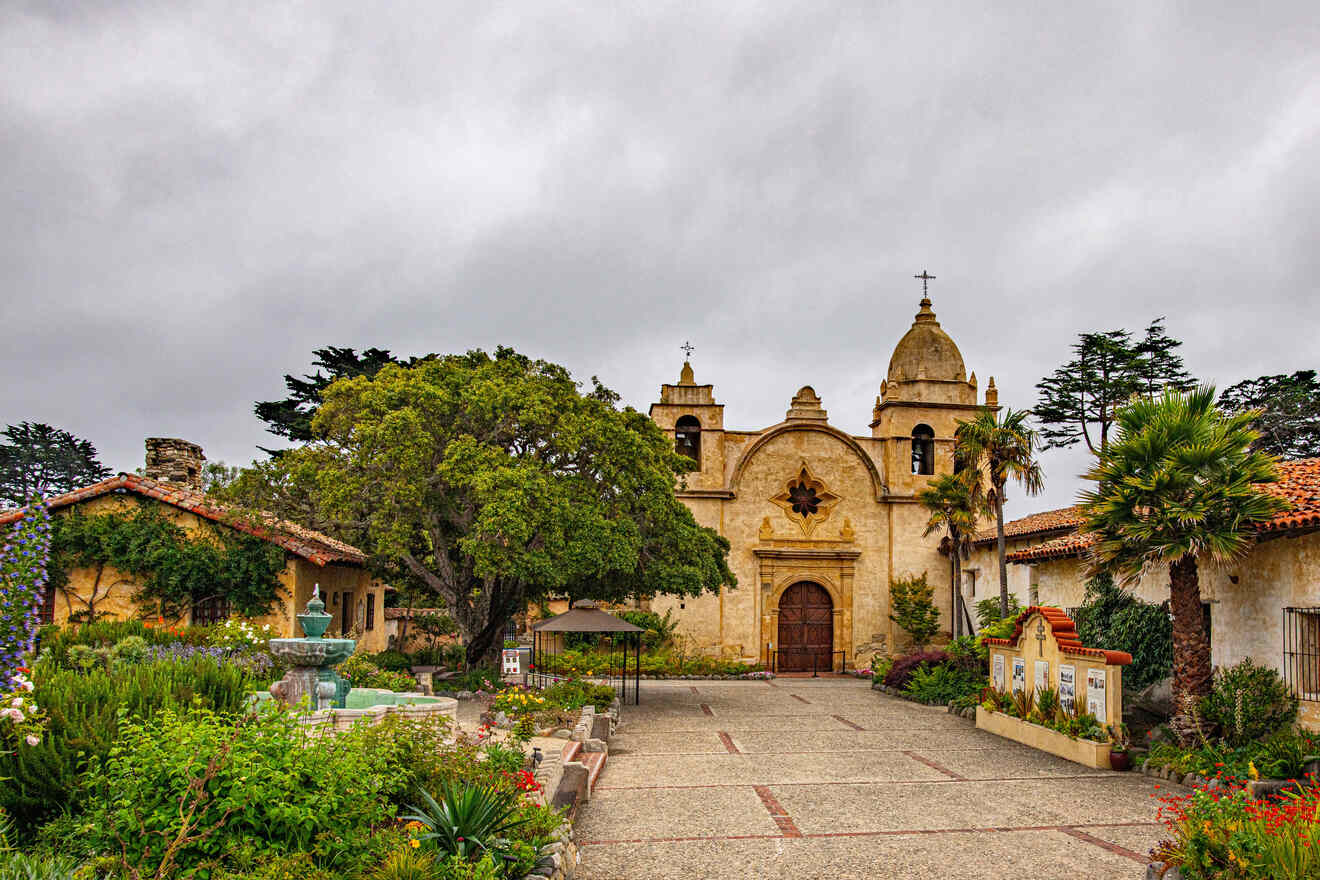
point(687, 350)
point(925, 278)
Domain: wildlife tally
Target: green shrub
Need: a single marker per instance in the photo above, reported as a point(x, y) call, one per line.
point(659, 630)
point(1249, 702)
point(480, 679)
point(914, 610)
point(940, 685)
point(392, 661)
point(880, 666)
point(226, 788)
point(578, 693)
point(1114, 619)
point(83, 711)
point(998, 629)
point(405, 863)
point(18, 866)
point(987, 610)
point(362, 673)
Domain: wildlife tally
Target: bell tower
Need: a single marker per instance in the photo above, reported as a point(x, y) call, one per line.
point(926, 393)
point(688, 413)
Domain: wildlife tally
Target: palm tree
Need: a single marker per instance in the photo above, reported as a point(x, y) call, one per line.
point(1178, 483)
point(956, 503)
point(999, 448)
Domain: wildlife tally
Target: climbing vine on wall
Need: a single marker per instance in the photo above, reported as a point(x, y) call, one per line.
point(173, 568)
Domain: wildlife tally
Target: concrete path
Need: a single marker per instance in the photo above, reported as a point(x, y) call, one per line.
point(826, 778)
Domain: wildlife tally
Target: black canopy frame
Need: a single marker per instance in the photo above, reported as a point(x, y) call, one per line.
point(585, 617)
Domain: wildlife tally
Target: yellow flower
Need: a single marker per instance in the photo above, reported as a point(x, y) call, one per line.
point(1252, 771)
point(414, 843)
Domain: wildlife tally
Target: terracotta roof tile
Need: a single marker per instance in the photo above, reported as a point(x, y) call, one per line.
point(1035, 524)
point(301, 541)
point(1298, 484)
point(1055, 548)
point(1064, 631)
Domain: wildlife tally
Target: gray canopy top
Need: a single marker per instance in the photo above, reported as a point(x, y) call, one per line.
point(585, 617)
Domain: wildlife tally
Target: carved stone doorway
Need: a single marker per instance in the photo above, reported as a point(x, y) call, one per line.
point(806, 629)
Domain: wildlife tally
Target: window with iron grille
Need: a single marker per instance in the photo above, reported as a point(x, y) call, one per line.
point(46, 614)
point(1301, 652)
point(371, 611)
point(211, 610)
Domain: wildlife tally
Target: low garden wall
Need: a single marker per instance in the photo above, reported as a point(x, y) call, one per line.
point(1081, 751)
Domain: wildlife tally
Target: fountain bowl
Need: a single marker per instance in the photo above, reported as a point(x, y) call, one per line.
point(312, 652)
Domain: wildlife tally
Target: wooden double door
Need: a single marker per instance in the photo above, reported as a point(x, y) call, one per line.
point(806, 629)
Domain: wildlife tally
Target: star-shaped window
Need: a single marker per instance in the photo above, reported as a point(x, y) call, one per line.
point(804, 499)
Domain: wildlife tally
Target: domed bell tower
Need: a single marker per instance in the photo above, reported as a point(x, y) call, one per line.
point(925, 394)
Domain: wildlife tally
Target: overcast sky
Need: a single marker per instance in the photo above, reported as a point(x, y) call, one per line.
point(196, 195)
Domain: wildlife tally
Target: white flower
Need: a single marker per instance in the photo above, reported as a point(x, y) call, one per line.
point(14, 714)
point(33, 739)
point(17, 703)
point(27, 686)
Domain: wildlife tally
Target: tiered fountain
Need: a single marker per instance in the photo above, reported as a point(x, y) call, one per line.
point(313, 675)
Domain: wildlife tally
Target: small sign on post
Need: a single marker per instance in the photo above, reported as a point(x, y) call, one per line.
point(511, 662)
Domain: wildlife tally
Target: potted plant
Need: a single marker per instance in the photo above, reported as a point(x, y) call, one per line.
point(1119, 759)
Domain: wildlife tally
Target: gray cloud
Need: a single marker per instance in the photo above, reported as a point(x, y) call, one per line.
point(195, 195)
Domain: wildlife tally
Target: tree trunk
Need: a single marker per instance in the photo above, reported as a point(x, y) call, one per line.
point(1003, 564)
point(956, 589)
point(483, 646)
point(1192, 675)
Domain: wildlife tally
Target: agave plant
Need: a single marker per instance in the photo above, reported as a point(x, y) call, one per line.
point(468, 820)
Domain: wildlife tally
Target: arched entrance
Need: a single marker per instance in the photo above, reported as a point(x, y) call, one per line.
point(806, 629)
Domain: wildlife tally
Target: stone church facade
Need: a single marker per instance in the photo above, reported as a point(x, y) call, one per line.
point(820, 520)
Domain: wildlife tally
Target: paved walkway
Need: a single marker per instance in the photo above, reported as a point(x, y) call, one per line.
point(826, 778)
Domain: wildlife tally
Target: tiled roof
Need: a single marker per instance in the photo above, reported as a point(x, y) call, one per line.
point(1055, 548)
point(1064, 631)
point(1035, 524)
point(400, 613)
point(1298, 484)
point(301, 541)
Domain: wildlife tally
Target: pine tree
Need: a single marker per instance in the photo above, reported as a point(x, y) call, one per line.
point(1078, 401)
point(37, 459)
point(292, 416)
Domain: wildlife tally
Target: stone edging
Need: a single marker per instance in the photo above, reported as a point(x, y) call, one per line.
point(559, 859)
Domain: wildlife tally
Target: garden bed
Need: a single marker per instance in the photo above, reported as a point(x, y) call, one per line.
point(1080, 751)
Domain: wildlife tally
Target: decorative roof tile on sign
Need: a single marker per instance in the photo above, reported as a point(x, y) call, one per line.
point(298, 540)
point(1064, 631)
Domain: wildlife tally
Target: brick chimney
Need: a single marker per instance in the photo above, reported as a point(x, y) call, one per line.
point(171, 460)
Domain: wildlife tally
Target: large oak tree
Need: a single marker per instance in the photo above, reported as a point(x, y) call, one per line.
point(495, 479)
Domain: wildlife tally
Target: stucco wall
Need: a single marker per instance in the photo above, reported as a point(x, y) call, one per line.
point(115, 590)
point(1246, 597)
